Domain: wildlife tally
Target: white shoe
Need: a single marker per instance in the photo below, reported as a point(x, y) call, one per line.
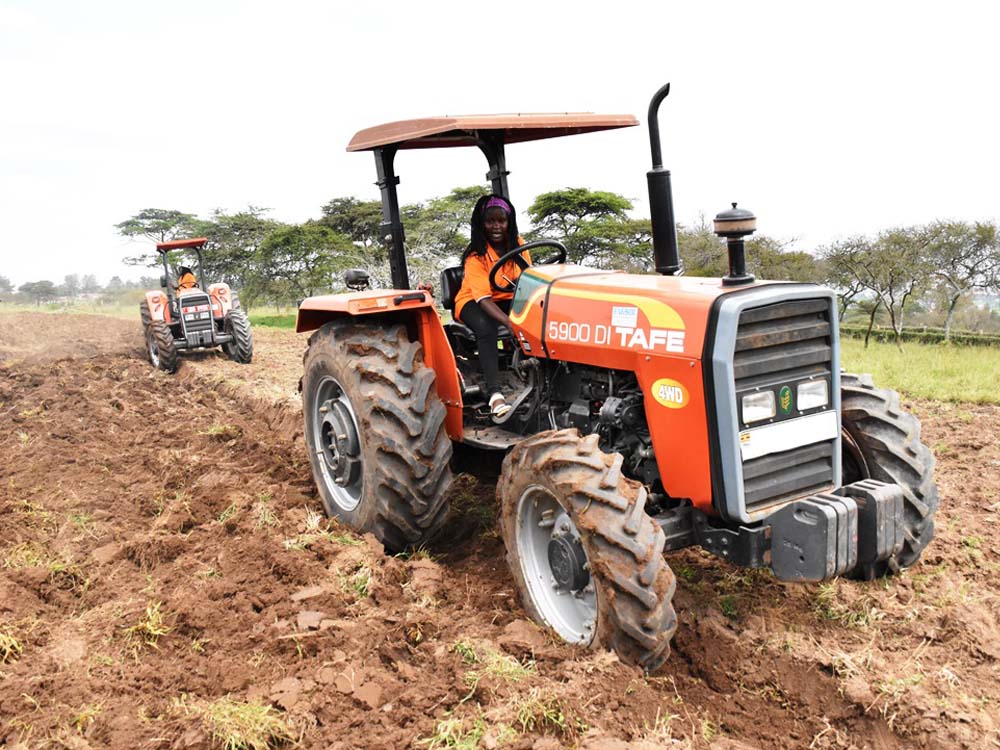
point(498, 405)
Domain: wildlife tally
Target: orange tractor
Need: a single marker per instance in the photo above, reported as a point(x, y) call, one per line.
point(190, 314)
point(655, 412)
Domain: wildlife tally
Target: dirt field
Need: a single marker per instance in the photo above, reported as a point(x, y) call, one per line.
point(165, 570)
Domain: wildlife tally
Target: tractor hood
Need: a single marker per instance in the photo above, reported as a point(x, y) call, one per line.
point(587, 315)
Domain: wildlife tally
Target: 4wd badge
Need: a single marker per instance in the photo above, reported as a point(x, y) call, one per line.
point(670, 393)
point(785, 399)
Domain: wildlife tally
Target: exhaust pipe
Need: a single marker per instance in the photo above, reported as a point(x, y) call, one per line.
point(661, 199)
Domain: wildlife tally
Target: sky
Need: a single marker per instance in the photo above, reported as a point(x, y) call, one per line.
point(825, 119)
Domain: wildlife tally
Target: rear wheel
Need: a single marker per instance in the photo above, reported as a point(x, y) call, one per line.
point(375, 430)
point(240, 348)
point(586, 558)
point(882, 441)
point(161, 347)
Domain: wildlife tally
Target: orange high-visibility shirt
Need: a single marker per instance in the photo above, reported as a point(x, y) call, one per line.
point(476, 282)
point(187, 281)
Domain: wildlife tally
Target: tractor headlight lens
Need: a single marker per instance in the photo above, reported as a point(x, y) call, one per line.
point(812, 394)
point(758, 406)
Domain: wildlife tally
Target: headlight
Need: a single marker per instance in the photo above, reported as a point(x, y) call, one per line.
point(812, 394)
point(758, 406)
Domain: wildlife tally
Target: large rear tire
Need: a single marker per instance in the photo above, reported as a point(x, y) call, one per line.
point(586, 559)
point(882, 441)
point(375, 431)
point(160, 346)
point(240, 349)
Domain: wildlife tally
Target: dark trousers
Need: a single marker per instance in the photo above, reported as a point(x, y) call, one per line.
point(486, 330)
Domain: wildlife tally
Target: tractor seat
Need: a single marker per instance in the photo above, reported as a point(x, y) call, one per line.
point(451, 282)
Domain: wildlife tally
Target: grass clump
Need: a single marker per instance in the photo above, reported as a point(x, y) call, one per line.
point(546, 715)
point(316, 528)
point(86, 716)
point(148, 630)
point(492, 665)
point(239, 725)
point(11, 647)
point(828, 606)
point(263, 513)
point(453, 734)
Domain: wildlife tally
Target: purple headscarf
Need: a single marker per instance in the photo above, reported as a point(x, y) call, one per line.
point(497, 203)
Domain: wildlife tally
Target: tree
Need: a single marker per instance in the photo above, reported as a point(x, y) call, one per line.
point(158, 225)
point(39, 291)
point(570, 216)
point(701, 251)
point(297, 261)
point(89, 285)
point(6, 287)
point(965, 259)
point(230, 254)
point(71, 285)
point(437, 232)
point(768, 258)
point(361, 221)
point(893, 268)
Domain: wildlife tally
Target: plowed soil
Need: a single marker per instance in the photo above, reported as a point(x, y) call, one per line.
point(164, 560)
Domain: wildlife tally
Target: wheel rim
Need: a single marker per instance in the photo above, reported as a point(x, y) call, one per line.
point(337, 444)
point(154, 352)
point(555, 566)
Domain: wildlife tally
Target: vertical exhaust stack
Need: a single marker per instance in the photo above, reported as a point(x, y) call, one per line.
point(661, 199)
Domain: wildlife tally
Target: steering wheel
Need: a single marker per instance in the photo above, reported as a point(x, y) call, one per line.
point(515, 255)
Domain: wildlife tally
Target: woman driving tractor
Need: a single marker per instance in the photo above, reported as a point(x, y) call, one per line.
point(477, 304)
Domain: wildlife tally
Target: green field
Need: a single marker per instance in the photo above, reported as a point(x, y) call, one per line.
point(939, 372)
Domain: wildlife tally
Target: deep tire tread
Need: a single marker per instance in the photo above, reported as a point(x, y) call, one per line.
point(165, 348)
point(889, 439)
point(401, 419)
point(240, 348)
point(624, 546)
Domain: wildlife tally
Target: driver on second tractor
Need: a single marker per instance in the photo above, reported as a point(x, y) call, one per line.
point(477, 304)
point(185, 279)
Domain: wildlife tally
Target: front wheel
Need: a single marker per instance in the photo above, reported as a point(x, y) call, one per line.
point(882, 441)
point(375, 431)
point(586, 559)
point(160, 346)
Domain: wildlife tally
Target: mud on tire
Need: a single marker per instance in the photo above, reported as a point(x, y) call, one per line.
point(882, 441)
point(632, 582)
point(240, 349)
point(375, 430)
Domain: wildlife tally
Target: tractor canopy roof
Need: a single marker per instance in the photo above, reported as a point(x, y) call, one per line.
point(468, 130)
point(194, 242)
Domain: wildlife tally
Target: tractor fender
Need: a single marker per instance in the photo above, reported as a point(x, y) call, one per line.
point(222, 299)
point(158, 307)
point(390, 307)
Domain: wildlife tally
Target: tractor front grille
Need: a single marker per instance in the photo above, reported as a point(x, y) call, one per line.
point(196, 313)
point(773, 338)
point(777, 346)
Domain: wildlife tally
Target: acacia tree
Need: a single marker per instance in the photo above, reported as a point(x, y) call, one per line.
point(157, 225)
point(230, 255)
point(361, 221)
point(6, 287)
point(965, 259)
point(893, 268)
point(39, 291)
point(294, 262)
point(574, 216)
